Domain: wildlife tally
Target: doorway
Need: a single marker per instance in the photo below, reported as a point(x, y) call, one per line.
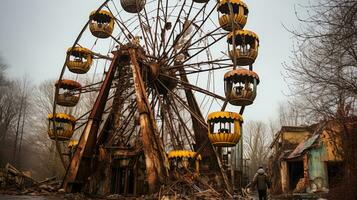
point(123, 181)
point(296, 172)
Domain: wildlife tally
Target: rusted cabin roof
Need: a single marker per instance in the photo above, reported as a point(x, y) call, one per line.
point(284, 154)
point(309, 142)
point(305, 145)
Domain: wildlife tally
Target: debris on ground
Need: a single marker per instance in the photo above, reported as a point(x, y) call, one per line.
point(16, 182)
point(188, 185)
point(184, 185)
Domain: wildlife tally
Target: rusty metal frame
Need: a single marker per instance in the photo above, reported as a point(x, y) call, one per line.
point(155, 157)
point(80, 165)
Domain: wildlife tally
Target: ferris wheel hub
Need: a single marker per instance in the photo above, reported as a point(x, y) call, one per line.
point(159, 77)
point(154, 69)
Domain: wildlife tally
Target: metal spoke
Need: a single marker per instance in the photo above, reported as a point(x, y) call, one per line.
point(207, 70)
point(172, 103)
point(192, 21)
point(151, 36)
point(193, 87)
point(208, 62)
point(184, 105)
point(173, 28)
point(172, 58)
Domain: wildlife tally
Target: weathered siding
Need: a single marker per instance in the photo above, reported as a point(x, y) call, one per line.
point(284, 176)
point(292, 139)
point(332, 144)
point(317, 168)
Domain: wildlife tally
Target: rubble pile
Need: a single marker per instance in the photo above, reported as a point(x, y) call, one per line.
point(16, 182)
point(184, 185)
point(189, 185)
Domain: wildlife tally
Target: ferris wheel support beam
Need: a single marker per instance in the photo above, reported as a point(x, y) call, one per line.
point(201, 133)
point(155, 158)
point(117, 108)
point(80, 165)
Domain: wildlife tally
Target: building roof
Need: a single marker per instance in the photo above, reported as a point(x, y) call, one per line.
point(289, 129)
point(308, 142)
point(304, 145)
point(284, 154)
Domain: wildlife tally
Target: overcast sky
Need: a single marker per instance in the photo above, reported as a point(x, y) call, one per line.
point(36, 33)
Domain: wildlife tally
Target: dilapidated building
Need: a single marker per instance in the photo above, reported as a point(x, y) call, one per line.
point(306, 158)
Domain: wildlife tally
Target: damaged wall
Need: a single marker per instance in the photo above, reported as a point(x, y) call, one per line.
point(292, 139)
point(321, 150)
point(317, 169)
point(284, 176)
point(331, 139)
point(328, 150)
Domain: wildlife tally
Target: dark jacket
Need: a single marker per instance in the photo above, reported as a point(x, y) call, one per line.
point(261, 181)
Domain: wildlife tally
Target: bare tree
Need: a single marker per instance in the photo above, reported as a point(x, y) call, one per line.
point(23, 88)
point(2, 73)
point(42, 99)
point(8, 109)
point(324, 73)
point(291, 113)
point(256, 144)
point(24, 124)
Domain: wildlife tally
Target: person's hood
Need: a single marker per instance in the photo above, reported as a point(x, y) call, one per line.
point(260, 171)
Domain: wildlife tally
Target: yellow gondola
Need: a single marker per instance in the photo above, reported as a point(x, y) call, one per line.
point(79, 60)
point(234, 12)
point(101, 23)
point(69, 92)
point(64, 125)
point(72, 144)
point(184, 158)
point(246, 47)
point(240, 86)
point(224, 128)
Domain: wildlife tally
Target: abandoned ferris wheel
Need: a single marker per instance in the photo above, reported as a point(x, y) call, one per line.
point(163, 63)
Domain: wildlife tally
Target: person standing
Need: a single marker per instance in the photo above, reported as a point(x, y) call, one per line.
point(262, 182)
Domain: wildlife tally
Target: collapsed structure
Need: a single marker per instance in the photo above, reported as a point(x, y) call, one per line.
point(307, 159)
